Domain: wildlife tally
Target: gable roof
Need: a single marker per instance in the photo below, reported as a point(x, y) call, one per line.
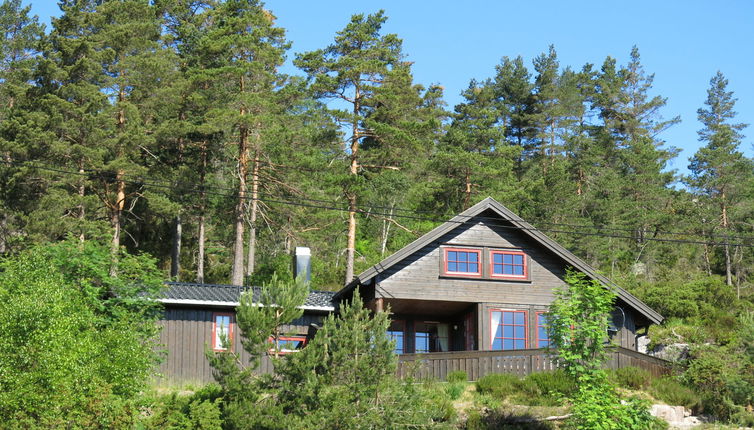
point(190, 293)
point(525, 228)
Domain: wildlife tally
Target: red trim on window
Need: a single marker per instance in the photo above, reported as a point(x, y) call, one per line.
point(231, 322)
point(477, 274)
point(537, 326)
point(301, 338)
point(498, 275)
point(526, 328)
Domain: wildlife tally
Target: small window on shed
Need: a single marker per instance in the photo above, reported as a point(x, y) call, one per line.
point(222, 331)
point(288, 344)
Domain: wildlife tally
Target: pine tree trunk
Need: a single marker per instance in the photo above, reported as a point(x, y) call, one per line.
point(726, 247)
point(243, 166)
point(175, 255)
point(200, 256)
point(202, 210)
point(354, 170)
point(120, 195)
point(250, 263)
point(82, 193)
point(467, 190)
point(115, 221)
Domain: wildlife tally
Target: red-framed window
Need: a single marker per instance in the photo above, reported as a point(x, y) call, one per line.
point(222, 331)
point(508, 329)
point(543, 335)
point(288, 344)
point(397, 332)
point(508, 264)
point(462, 262)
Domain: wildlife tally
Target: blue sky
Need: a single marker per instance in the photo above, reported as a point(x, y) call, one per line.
point(682, 42)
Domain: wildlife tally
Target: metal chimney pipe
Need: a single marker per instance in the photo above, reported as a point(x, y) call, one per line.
point(302, 263)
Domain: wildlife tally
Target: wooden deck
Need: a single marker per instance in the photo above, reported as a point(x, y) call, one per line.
point(476, 364)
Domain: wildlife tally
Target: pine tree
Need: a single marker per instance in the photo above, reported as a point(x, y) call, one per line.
point(473, 158)
point(513, 90)
point(357, 69)
point(18, 56)
point(633, 176)
point(720, 174)
point(243, 50)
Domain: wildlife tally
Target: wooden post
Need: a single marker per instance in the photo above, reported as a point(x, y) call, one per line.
point(378, 306)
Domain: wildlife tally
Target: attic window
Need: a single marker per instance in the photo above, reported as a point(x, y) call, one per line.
point(508, 264)
point(463, 262)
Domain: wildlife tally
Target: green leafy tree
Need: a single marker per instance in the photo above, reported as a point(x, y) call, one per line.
point(78, 343)
point(577, 325)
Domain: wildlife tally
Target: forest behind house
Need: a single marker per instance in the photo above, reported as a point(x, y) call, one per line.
point(166, 128)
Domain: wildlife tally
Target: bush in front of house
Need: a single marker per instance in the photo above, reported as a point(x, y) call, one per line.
point(198, 411)
point(672, 392)
point(545, 388)
point(498, 385)
point(633, 378)
point(457, 376)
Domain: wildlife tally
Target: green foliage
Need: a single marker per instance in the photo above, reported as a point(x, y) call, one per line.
point(672, 392)
point(198, 411)
point(500, 385)
point(631, 377)
point(344, 377)
point(545, 388)
point(457, 376)
point(597, 406)
point(455, 389)
point(578, 324)
point(259, 319)
point(77, 343)
point(536, 389)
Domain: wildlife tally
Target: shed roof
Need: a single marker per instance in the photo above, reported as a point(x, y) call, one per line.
point(527, 229)
point(191, 293)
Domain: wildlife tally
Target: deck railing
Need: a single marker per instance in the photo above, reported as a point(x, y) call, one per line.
point(476, 364)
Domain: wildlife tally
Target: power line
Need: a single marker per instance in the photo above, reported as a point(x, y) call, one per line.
point(494, 222)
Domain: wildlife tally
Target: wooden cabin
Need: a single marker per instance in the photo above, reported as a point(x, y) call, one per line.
point(469, 295)
point(197, 316)
point(482, 282)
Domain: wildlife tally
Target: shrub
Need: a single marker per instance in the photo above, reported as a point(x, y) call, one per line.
point(631, 377)
point(498, 385)
point(674, 393)
point(545, 388)
point(199, 411)
point(455, 389)
point(76, 342)
point(458, 376)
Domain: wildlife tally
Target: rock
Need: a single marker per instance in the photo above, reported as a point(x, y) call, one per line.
point(672, 352)
point(677, 417)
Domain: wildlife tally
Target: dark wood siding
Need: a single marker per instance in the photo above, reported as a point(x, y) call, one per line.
point(419, 277)
point(187, 333)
